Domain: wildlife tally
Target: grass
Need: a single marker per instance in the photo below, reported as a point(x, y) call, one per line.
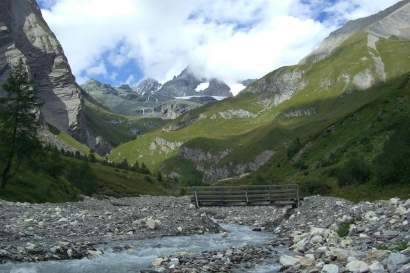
point(121, 128)
point(69, 140)
point(35, 184)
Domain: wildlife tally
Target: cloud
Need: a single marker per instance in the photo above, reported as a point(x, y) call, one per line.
point(228, 39)
point(97, 70)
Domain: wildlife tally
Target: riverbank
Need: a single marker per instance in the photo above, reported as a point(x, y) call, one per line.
point(328, 235)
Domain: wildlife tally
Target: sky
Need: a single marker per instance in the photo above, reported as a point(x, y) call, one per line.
point(125, 41)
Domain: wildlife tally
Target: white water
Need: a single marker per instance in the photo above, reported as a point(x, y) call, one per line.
point(144, 252)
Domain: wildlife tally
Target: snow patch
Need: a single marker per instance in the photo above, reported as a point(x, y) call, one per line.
point(202, 86)
point(236, 88)
point(190, 97)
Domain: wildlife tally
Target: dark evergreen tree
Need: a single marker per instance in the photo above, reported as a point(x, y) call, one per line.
point(159, 177)
point(19, 122)
point(144, 169)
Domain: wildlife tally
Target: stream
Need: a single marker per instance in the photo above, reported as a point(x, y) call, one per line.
point(144, 252)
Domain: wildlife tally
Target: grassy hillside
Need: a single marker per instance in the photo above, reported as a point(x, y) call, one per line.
point(358, 156)
point(121, 128)
point(55, 178)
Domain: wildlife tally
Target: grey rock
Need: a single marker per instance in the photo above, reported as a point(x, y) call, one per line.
point(396, 260)
point(25, 35)
point(330, 268)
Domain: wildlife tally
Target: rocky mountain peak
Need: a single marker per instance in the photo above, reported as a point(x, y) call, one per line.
point(96, 86)
point(147, 87)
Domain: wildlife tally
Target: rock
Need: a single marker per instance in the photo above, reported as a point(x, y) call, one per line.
point(404, 269)
point(317, 239)
point(401, 210)
point(376, 267)
point(151, 223)
point(330, 268)
point(158, 262)
point(286, 260)
point(94, 253)
point(395, 261)
point(357, 266)
point(29, 38)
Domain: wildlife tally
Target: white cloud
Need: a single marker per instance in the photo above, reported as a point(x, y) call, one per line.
point(98, 70)
point(228, 39)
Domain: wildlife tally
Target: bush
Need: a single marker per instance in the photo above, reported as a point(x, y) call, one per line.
point(354, 172)
point(294, 148)
point(314, 187)
point(344, 228)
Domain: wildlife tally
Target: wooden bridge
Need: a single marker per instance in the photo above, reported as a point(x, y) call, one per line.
point(245, 195)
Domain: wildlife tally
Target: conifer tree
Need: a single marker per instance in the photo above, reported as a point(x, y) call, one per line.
point(19, 123)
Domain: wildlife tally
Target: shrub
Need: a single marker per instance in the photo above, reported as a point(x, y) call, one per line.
point(314, 187)
point(344, 228)
point(294, 148)
point(354, 172)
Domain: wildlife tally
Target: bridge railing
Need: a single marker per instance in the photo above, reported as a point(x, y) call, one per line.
point(245, 195)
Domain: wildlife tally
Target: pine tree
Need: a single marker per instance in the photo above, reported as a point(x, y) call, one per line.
point(144, 169)
point(159, 177)
point(19, 122)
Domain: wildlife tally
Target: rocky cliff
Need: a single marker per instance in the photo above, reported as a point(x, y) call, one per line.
point(25, 35)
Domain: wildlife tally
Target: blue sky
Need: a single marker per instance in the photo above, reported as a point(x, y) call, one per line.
point(228, 39)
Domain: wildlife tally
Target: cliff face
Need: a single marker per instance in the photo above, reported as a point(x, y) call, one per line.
point(25, 35)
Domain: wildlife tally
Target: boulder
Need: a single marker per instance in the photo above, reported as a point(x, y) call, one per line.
point(286, 260)
point(395, 261)
point(330, 268)
point(357, 266)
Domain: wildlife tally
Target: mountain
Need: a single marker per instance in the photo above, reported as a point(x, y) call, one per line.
point(302, 123)
point(188, 84)
point(25, 35)
point(147, 87)
point(150, 99)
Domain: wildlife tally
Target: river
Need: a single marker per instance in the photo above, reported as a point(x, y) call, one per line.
point(144, 252)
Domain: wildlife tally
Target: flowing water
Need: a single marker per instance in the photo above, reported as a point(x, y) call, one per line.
point(144, 252)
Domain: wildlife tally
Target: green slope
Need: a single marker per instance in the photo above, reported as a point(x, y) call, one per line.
point(116, 128)
point(57, 178)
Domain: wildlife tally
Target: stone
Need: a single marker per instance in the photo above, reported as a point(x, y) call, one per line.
point(395, 261)
point(330, 268)
point(286, 260)
point(158, 262)
point(357, 266)
point(376, 267)
point(404, 269)
point(151, 223)
point(317, 239)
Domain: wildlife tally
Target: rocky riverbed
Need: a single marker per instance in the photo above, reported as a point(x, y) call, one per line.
point(324, 234)
point(35, 232)
point(327, 235)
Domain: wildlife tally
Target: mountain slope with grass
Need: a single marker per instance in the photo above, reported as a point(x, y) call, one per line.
point(279, 117)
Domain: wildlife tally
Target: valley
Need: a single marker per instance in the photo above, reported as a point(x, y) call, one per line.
point(100, 152)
